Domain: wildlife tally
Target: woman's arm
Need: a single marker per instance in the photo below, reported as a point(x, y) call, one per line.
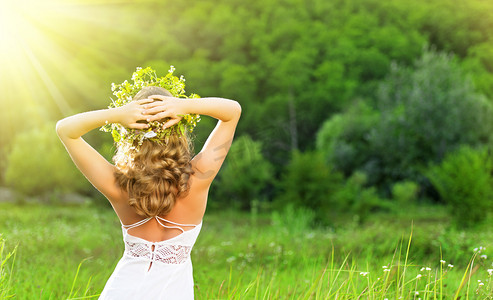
point(209, 160)
point(94, 166)
point(219, 108)
point(77, 125)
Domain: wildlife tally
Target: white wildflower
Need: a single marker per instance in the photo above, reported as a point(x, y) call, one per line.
point(484, 256)
point(419, 276)
point(364, 274)
point(422, 269)
point(490, 271)
point(481, 283)
point(231, 259)
point(481, 248)
point(386, 270)
point(417, 293)
point(442, 261)
point(150, 134)
point(171, 69)
point(450, 266)
point(428, 269)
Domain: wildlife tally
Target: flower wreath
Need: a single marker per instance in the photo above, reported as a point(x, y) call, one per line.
point(125, 92)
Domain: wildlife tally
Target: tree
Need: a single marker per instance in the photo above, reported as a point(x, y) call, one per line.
point(38, 164)
point(422, 113)
point(427, 112)
point(245, 174)
point(464, 182)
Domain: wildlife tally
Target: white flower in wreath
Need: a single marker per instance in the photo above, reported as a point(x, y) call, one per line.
point(150, 134)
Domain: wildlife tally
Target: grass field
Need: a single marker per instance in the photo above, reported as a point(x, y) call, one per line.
point(267, 256)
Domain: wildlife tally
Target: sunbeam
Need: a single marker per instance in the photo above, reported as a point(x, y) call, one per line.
point(48, 60)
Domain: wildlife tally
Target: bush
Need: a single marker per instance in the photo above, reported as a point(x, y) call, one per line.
point(308, 182)
point(354, 198)
point(420, 114)
point(293, 220)
point(427, 111)
point(38, 164)
point(343, 139)
point(245, 174)
point(464, 181)
point(405, 192)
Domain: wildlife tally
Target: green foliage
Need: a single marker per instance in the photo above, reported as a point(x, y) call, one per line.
point(308, 182)
point(465, 183)
point(354, 198)
point(479, 63)
point(423, 112)
point(405, 192)
point(291, 64)
point(38, 164)
point(244, 176)
point(294, 220)
point(427, 111)
point(344, 138)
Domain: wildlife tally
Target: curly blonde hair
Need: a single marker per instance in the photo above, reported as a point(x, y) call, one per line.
point(155, 175)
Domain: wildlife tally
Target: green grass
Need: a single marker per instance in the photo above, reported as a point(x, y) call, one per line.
point(69, 252)
point(6, 267)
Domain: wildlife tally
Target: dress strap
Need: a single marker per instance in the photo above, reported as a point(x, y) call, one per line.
point(174, 223)
point(136, 224)
point(158, 219)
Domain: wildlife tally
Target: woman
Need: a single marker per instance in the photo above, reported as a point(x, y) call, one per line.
point(156, 188)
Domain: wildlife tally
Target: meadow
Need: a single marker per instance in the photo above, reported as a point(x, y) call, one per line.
point(361, 110)
point(68, 252)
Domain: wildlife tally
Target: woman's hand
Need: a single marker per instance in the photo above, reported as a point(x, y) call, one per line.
point(131, 113)
point(165, 107)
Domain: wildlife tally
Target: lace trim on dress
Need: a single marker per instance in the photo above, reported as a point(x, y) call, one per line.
point(156, 252)
point(163, 253)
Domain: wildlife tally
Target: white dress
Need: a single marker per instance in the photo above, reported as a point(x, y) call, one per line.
point(154, 270)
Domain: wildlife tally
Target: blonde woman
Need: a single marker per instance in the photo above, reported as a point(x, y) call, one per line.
point(157, 189)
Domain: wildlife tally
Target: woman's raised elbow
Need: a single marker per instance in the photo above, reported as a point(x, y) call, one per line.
point(59, 128)
point(237, 109)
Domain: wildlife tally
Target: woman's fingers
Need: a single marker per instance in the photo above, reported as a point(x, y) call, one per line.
point(171, 122)
point(145, 101)
point(155, 110)
point(139, 126)
point(152, 104)
point(159, 116)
